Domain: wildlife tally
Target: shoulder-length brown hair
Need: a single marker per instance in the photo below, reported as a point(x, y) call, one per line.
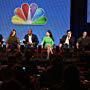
point(50, 34)
point(12, 32)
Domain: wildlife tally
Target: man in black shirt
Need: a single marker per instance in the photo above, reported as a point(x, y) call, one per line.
point(83, 42)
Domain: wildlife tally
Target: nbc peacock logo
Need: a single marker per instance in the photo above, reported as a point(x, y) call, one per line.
point(29, 15)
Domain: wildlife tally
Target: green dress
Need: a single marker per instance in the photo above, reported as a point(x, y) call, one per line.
point(47, 41)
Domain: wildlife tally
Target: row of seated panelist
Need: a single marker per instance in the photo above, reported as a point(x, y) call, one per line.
point(31, 41)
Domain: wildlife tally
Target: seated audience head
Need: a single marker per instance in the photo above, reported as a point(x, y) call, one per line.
point(71, 77)
point(11, 85)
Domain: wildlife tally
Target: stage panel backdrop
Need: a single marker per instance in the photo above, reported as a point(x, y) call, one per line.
point(88, 11)
point(51, 15)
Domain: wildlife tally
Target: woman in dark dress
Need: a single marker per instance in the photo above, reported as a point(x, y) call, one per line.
point(13, 41)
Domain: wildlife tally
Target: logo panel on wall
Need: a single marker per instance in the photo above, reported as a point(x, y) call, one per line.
point(29, 15)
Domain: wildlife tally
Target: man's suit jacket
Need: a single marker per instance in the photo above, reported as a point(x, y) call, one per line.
point(34, 39)
point(1, 38)
point(71, 41)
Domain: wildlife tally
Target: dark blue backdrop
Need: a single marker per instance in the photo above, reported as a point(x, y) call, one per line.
point(88, 11)
point(57, 12)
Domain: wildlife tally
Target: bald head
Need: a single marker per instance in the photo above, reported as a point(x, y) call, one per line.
point(30, 32)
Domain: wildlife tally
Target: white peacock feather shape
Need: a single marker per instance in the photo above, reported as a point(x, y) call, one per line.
point(29, 14)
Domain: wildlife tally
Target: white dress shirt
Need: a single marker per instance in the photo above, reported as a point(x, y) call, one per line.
point(30, 39)
point(67, 41)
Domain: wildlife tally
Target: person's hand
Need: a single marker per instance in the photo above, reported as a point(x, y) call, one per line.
point(60, 45)
point(42, 46)
point(29, 43)
point(7, 45)
point(0, 43)
point(50, 46)
point(77, 45)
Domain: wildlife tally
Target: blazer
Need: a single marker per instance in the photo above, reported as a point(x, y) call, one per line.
point(34, 39)
point(1, 39)
point(71, 41)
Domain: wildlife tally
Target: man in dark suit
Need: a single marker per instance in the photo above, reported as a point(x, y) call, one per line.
point(30, 39)
point(1, 40)
point(67, 45)
point(67, 41)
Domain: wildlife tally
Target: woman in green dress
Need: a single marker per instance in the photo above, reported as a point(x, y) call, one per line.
point(48, 43)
